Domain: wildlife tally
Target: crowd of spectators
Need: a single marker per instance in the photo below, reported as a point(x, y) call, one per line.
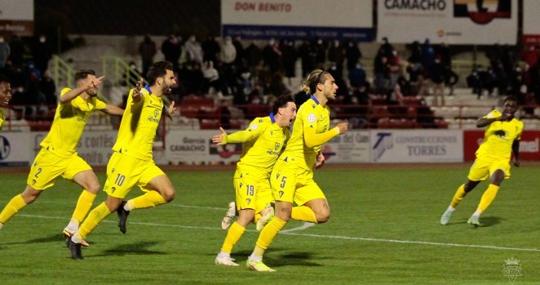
point(24, 61)
point(237, 72)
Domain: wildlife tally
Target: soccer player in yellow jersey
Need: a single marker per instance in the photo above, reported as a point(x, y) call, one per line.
point(58, 155)
point(135, 165)
point(292, 176)
point(263, 141)
point(493, 157)
point(5, 96)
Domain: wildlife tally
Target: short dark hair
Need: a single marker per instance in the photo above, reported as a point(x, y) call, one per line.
point(510, 98)
point(281, 102)
point(82, 74)
point(4, 78)
point(158, 69)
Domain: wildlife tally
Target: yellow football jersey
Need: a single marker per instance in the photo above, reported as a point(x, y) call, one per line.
point(499, 136)
point(69, 122)
point(147, 120)
point(265, 145)
point(310, 131)
point(126, 129)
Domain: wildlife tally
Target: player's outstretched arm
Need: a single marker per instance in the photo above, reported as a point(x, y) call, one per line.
point(312, 139)
point(113, 110)
point(73, 93)
point(220, 138)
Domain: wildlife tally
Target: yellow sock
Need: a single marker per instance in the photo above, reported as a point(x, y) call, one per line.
point(487, 198)
point(13, 206)
point(147, 200)
point(94, 218)
point(84, 204)
point(303, 213)
point(233, 236)
point(268, 234)
point(460, 193)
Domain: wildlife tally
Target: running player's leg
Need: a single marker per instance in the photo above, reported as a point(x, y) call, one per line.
point(117, 186)
point(479, 171)
point(283, 182)
point(44, 171)
point(312, 204)
point(499, 170)
point(158, 190)
point(80, 172)
point(245, 185)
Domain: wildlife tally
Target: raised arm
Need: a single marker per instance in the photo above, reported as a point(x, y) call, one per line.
point(73, 93)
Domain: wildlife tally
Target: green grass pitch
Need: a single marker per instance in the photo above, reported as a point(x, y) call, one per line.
point(384, 229)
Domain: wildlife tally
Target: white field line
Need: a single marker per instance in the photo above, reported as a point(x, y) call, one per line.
point(338, 237)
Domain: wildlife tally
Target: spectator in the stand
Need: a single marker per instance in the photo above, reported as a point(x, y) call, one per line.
point(387, 49)
point(5, 51)
point(382, 73)
point(194, 50)
point(473, 82)
point(253, 56)
point(17, 50)
point(428, 55)
point(210, 49)
point(147, 50)
point(172, 49)
point(336, 55)
point(211, 78)
point(438, 78)
point(276, 87)
point(240, 53)
point(228, 51)
point(353, 54)
point(193, 79)
point(289, 58)
point(394, 66)
point(530, 55)
point(48, 88)
point(272, 56)
point(320, 51)
point(357, 76)
point(245, 87)
point(308, 54)
point(42, 53)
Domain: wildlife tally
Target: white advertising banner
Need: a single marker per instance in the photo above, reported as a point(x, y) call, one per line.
point(15, 148)
point(413, 146)
point(195, 147)
point(297, 19)
point(351, 147)
point(451, 22)
point(531, 21)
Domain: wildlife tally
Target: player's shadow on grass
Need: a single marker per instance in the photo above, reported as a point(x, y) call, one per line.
point(490, 221)
point(485, 221)
point(138, 248)
point(50, 238)
point(292, 258)
point(284, 259)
